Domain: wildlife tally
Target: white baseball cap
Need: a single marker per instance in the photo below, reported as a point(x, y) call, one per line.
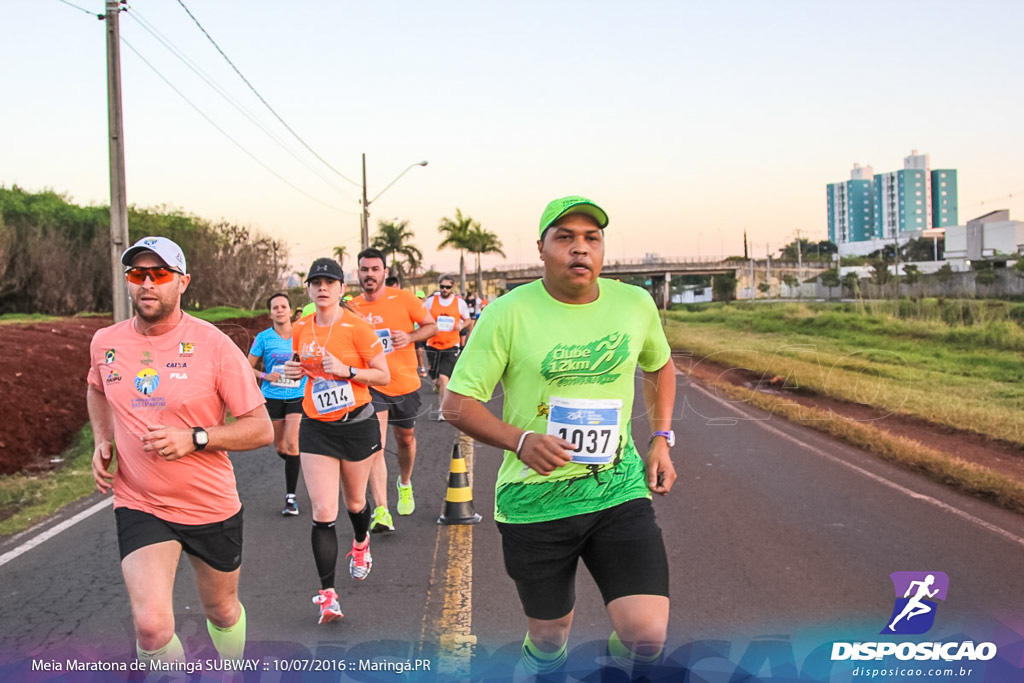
point(169, 252)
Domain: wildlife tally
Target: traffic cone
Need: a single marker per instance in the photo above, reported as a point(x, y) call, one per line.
point(458, 501)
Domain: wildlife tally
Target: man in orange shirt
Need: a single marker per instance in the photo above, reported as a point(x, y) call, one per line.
point(452, 314)
point(394, 314)
point(160, 385)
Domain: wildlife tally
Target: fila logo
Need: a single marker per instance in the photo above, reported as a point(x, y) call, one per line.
point(179, 375)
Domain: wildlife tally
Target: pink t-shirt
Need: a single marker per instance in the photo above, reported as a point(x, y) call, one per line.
point(189, 376)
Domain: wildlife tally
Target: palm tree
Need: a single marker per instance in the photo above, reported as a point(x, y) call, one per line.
point(456, 231)
point(482, 241)
point(339, 255)
point(392, 238)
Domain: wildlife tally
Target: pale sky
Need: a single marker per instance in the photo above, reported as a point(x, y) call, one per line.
point(687, 121)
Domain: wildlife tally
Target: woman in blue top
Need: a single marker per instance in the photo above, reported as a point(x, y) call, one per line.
point(271, 348)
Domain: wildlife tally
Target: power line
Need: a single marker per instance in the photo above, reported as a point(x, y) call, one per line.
point(225, 133)
point(260, 97)
point(91, 14)
point(177, 52)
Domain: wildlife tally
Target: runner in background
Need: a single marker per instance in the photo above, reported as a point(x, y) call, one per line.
point(400, 319)
point(342, 357)
point(271, 349)
point(451, 314)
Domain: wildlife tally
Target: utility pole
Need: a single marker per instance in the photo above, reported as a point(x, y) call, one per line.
point(364, 235)
point(118, 200)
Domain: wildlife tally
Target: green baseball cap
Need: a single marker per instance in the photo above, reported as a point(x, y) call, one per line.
point(571, 204)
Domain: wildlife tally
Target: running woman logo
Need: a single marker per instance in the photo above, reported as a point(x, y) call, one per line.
point(147, 381)
point(914, 609)
point(586, 363)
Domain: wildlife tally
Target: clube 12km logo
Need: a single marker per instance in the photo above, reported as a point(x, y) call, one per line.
point(917, 596)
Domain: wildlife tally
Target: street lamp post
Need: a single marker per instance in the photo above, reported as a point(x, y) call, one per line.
point(365, 227)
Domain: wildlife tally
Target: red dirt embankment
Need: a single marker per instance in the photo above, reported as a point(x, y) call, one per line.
point(42, 385)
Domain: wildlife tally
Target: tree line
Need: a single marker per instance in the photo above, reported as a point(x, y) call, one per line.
point(55, 255)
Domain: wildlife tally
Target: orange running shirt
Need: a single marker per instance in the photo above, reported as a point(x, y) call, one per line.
point(447, 317)
point(352, 341)
point(189, 377)
point(396, 309)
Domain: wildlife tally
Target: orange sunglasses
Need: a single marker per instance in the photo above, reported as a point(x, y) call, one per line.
point(159, 275)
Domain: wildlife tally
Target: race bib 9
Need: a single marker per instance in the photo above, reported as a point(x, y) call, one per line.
point(385, 340)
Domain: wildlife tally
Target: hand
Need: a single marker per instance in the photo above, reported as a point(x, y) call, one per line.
point(170, 443)
point(544, 453)
point(399, 339)
point(102, 456)
point(292, 370)
point(335, 367)
point(661, 473)
point(273, 376)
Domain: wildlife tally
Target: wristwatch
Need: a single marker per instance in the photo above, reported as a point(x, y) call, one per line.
point(200, 438)
point(670, 437)
point(351, 372)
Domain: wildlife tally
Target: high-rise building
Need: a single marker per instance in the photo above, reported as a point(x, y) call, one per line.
point(870, 210)
point(850, 209)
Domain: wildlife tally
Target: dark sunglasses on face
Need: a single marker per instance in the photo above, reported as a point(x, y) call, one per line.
point(444, 286)
point(159, 276)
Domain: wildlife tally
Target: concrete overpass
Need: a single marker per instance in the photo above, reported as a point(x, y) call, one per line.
point(749, 273)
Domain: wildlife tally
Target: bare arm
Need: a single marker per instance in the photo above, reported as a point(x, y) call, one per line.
point(427, 329)
point(540, 452)
point(248, 431)
point(101, 417)
point(659, 400)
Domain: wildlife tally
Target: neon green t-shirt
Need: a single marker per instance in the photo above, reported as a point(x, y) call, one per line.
point(569, 370)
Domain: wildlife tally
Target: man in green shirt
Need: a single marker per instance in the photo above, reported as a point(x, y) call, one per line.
point(573, 484)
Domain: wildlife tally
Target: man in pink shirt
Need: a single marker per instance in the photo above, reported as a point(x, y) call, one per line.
point(160, 386)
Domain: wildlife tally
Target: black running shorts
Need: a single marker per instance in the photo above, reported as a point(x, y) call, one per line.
point(442, 361)
point(402, 410)
point(347, 440)
point(278, 408)
point(621, 547)
point(218, 545)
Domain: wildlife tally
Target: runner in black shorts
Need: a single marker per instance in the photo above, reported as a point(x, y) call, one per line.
point(341, 356)
point(573, 486)
point(271, 349)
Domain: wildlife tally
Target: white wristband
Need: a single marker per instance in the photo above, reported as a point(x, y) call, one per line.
point(522, 440)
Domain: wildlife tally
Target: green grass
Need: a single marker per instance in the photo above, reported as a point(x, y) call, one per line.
point(221, 313)
point(25, 318)
point(31, 498)
point(900, 356)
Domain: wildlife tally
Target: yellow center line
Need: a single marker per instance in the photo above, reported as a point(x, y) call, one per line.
point(448, 613)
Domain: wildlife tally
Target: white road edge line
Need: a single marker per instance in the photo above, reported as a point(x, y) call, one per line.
point(50, 533)
point(992, 528)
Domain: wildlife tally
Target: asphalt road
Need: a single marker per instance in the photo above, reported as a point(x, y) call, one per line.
point(780, 543)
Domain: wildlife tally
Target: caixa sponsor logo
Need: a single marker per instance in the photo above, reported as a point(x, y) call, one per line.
point(947, 652)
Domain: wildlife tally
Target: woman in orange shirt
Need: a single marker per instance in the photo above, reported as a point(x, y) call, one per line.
point(342, 356)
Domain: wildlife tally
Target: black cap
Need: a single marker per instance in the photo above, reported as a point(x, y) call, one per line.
point(325, 267)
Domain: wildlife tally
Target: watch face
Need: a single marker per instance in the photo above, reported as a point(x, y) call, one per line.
point(201, 437)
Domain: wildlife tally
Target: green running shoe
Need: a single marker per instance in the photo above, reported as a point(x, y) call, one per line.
point(406, 503)
point(382, 521)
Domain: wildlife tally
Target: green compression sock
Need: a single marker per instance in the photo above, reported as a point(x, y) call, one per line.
point(629, 660)
point(171, 652)
point(541, 662)
point(229, 641)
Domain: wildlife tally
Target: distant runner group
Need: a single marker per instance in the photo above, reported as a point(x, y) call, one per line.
point(328, 385)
